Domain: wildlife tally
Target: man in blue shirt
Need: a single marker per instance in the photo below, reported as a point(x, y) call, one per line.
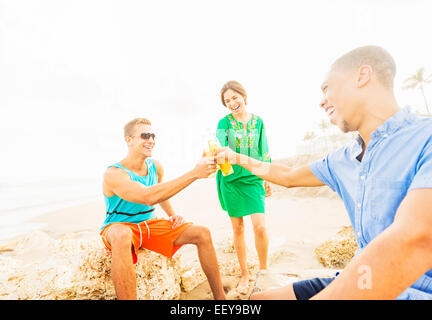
point(384, 178)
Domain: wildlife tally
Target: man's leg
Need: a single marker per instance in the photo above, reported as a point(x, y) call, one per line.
point(300, 290)
point(284, 293)
point(201, 237)
point(122, 268)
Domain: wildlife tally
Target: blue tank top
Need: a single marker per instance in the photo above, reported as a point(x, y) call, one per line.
point(120, 210)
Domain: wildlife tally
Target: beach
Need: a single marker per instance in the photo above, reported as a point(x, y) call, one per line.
point(296, 222)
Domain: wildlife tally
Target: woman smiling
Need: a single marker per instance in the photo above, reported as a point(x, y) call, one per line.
point(243, 193)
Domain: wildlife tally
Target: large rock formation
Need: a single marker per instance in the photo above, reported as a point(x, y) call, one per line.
point(338, 251)
point(80, 268)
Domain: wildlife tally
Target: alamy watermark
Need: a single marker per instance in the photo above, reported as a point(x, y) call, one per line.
point(365, 279)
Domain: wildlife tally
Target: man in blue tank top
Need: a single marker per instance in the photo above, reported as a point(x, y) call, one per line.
point(131, 188)
point(384, 178)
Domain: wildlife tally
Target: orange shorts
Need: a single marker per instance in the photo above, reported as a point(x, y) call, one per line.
point(155, 234)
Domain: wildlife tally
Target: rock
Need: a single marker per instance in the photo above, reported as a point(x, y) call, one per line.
point(338, 251)
point(192, 278)
point(77, 268)
point(81, 269)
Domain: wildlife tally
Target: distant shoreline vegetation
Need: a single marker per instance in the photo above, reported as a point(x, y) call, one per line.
point(418, 81)
point(330, 138)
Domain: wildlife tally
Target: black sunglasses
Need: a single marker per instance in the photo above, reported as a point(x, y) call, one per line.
point(146, 135)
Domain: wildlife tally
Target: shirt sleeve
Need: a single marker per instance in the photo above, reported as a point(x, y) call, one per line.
point(322, 170)
point(222, 132)
point(263, 145)
point(423, 175)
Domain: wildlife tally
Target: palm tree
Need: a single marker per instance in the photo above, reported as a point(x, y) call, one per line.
point(417, 81)
point(309, 136)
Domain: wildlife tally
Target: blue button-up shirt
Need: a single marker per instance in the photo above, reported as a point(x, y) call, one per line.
point(397, 159)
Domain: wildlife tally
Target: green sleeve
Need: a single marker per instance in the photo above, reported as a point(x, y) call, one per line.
point(222, 132)
point(263, 148)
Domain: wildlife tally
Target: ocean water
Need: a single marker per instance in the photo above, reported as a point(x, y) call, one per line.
point(67, 169)
point(20, 202)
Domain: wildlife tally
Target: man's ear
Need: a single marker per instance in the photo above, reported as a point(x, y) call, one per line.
point(364, 76)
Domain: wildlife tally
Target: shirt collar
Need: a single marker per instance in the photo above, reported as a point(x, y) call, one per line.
point(357, 147)
point(391, 125)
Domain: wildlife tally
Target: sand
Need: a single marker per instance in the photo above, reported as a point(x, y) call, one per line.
point(297, 224)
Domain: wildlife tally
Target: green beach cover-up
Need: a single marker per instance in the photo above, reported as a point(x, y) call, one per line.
point(242, 193)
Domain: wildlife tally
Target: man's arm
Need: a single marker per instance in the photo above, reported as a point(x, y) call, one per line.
point(275, 172)
point(395, 259)
point(118, 182)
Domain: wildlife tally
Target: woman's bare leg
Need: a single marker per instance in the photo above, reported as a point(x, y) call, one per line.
point(240, 248)
point(261, 238)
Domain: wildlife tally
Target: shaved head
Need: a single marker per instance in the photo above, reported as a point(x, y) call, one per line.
point(381, 62)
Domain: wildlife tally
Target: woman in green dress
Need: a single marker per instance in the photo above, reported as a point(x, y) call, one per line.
point(243, 193)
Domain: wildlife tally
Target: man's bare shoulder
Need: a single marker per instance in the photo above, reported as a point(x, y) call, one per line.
point(159, 169)
point(113, 174)
point(157, 164)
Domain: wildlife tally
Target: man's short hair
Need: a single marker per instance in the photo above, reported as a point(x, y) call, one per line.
point(382, 63)
point(130, 126)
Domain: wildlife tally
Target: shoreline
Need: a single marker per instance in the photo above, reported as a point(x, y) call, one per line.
point(39, 219)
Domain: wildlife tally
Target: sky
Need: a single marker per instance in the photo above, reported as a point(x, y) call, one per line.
point(72, 73)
